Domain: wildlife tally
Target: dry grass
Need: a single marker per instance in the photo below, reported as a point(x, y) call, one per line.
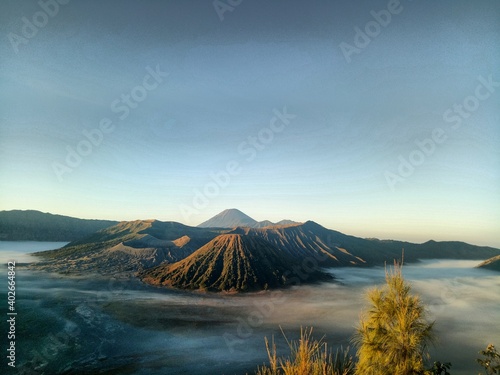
point(307, 357)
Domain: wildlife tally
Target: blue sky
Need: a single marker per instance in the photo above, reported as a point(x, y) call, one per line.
point(334, 161)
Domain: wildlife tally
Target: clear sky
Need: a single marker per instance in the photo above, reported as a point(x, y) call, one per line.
point(186, 89)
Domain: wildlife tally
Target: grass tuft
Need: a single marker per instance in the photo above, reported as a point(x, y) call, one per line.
point(307, 356)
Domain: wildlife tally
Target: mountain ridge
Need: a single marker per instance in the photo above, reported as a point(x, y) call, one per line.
point(135, 245)
point(33, 225)
point(230, 262)
point(128, 246)
point(232, 218)
point(163, 253)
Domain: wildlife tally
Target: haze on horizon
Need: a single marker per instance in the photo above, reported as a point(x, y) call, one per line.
point(214, 85)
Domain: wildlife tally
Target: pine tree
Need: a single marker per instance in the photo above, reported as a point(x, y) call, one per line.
point(393, 333)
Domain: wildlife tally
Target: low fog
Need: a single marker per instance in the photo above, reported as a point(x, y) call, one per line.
point(86, 322)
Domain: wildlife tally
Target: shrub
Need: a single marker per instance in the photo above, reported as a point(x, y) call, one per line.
point(491, 362)
point(393, 333)
point(439, 368)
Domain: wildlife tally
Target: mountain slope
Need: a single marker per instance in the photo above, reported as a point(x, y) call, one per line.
point(377, 252)
point(33, 225)
point(229, 219)
point(301, 241)
point(491, 264)
point(138, 245)
point(230, 262)
point(337, 249)
point(233, 218)
point(127, 246)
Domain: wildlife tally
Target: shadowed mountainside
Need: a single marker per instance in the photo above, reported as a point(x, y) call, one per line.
point(304, 240)
point(230, 262)
point(345, 250)
point(18, 225)
point(491, 264)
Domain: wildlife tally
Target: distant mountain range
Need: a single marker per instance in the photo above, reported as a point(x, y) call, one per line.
point(33, 225)
point(237, 258)
point(233, 217)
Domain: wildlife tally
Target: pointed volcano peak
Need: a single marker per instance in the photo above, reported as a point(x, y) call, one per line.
point(233, 211)
point(230, 218)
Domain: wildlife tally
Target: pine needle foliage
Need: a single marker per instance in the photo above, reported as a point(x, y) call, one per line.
point(393, 333)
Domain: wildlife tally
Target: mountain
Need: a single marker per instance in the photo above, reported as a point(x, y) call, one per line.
point(260, 224)
point(33, 225)
point(233, 218)
point(491, 264)
point(126, 247)
point(229, 219)
point(301, 241)
point(333, 248)
point(447, 250)
point(230, 262)
point(197, 257)
point(286, 222)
